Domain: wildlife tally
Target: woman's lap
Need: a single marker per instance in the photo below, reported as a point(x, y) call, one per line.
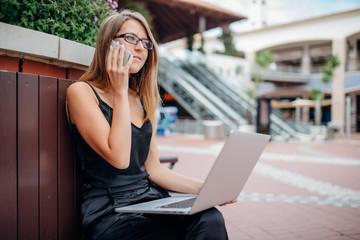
point(208, 224)
point(100, 221)
point(141, 228)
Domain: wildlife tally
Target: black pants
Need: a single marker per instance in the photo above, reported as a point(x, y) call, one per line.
point(208, 225)
point(100, 221)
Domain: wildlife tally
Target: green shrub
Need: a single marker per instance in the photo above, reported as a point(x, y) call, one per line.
point(315, 94)
point(264, 58)
point(76, 20)
point(331, 63)
point(230, 49)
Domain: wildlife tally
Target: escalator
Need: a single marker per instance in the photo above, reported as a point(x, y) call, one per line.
point(241, 103)
point(237, 100)
point(204, 96)
point(196, 98)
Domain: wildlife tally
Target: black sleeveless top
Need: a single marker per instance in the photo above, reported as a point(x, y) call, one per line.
point(98, 172)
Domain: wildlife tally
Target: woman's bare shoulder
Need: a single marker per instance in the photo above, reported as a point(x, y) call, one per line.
point(80, 92)
point(78, 87)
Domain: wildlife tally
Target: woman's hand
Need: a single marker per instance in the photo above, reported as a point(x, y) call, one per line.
point(231, 202)
point(118, 74)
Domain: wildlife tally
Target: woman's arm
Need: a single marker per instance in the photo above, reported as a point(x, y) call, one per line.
point(112, 143)
point(167, 178)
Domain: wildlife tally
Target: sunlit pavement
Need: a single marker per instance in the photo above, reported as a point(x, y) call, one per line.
point(296, 191)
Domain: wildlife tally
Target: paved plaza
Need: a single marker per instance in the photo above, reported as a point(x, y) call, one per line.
point(296, 191)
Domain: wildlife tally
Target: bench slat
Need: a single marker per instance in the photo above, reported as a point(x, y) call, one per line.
point(66, 170)
point(8, 175)
point(28, 157)
point(48, 157)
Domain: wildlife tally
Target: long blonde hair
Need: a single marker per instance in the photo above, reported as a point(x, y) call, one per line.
point(146, 80)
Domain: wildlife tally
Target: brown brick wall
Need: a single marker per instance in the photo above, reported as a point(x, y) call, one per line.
point(29, 66)
point(74, 74)
point(9, 63)
point(44, 69)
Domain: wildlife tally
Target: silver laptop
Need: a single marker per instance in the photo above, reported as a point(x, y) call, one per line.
point(224, 183)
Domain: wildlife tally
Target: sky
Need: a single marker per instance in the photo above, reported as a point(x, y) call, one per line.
point(284, 11)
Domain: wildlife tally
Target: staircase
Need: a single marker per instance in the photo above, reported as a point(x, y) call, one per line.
point(236, 100)
point(196, 98)
point(205, 97)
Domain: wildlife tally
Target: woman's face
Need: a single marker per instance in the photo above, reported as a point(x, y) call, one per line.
point(139, 52)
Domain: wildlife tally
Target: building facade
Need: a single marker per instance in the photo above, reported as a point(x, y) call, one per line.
point(300, 49)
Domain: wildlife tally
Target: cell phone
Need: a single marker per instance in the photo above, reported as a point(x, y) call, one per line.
point(127, 53)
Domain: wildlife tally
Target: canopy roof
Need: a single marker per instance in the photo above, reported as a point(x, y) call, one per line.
point(174, 19)
point(299, 103)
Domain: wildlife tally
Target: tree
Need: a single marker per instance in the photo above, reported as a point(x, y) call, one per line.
point(76, 20)
point(315, 94)
point(190, 40)
point(256, 78)
point(201, 48)
point(229, 46)
point(263, 59)
point(331, 63)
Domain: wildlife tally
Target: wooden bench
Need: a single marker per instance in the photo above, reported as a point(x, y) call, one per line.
point(169, 159)
point(39, 175)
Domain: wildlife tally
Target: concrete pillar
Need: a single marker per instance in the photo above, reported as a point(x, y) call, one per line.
point(250, 58)
point(226, 31)
point(347, 116)
point(305, 60)
point(298, 114)
point(305, 113)
point(318, 112)
point(305, 116)
point(352, 55)
point(225, 28)
point(338, 95)
point(202, 28)
point(353, 112)
point(202, 23)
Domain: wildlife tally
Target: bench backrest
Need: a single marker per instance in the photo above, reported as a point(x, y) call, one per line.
point(39, 186)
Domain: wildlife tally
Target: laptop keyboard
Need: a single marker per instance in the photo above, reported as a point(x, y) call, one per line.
point(181, 204)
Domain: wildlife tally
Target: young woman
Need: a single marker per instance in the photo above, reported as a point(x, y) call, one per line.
point(112, 111)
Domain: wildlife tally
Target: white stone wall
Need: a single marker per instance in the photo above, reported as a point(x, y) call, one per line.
point(16, 40)
point(225, 67)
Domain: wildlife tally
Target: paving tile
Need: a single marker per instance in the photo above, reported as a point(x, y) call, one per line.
point(354, 236)
point(297, 191)
point(338, 149)
point(347, 176)
point(260, 184)
point(285, 148)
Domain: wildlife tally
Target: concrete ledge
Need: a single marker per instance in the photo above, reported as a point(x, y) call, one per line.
point(23, 42)
point(26, 41)
point(75, 52)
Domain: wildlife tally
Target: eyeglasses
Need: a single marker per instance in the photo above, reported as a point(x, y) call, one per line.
point(133, 39)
